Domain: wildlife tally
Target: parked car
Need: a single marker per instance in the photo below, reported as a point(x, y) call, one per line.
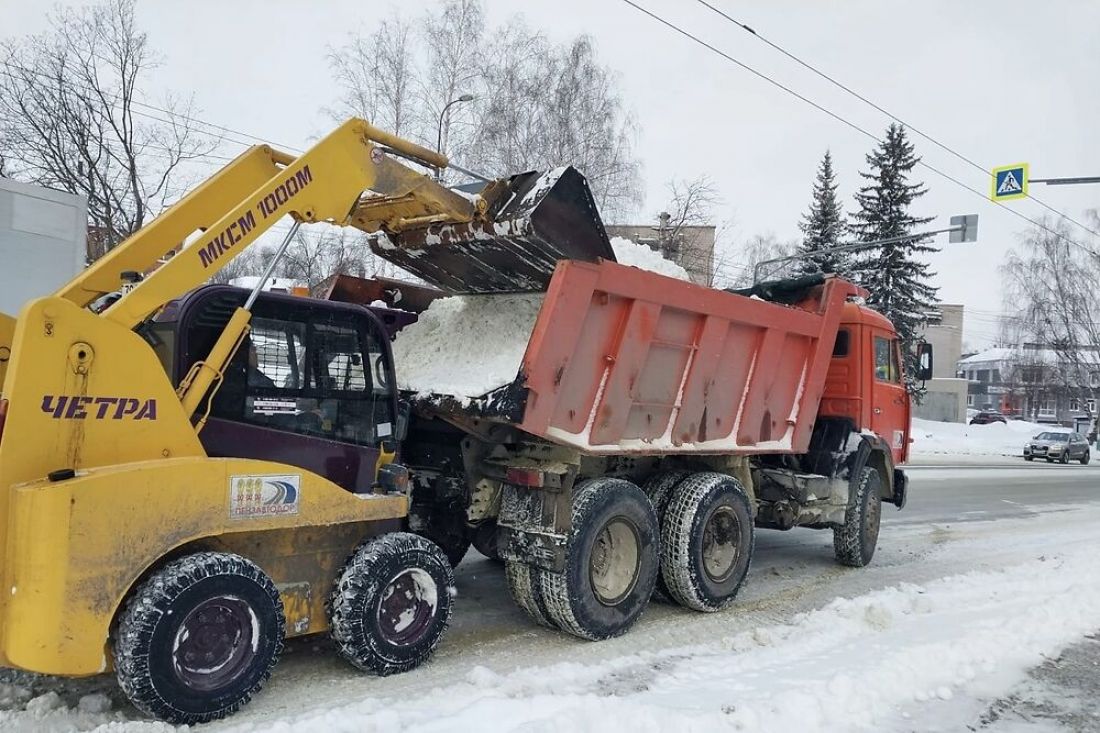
point(985, 417)
point(1058, 446)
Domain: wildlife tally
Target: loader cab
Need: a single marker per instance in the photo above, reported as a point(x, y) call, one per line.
point(865, 382)
point(312, 384)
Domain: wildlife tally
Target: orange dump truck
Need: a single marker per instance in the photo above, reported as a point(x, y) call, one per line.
point(652, 425)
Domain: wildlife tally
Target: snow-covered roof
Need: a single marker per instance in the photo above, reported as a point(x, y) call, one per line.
point(1004, 353)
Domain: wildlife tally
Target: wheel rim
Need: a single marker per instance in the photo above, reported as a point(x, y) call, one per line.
point(871, 519)
point(614, 563)
point(216, 643)
point(721, 544)
point(407, 607)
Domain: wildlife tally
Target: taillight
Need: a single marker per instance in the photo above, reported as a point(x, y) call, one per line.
point(524, 477)
point(3, 416)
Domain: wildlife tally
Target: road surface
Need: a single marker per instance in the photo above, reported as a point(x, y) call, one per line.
point(958, 519)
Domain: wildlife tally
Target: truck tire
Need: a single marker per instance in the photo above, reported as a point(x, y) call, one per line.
point(526, 589)
point(199, 638)
point(659, 488)
point(854, 543)
point(706, 541)
point(391, 603)
point(611, 561)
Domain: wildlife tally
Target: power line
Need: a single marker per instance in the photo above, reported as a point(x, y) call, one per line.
point(687, 34)
point(889, 114)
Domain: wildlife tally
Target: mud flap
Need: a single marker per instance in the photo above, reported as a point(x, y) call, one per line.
point(901, 486)
point(533, 220)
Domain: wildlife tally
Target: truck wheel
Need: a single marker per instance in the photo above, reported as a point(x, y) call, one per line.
point(854, 542)
point(611, 559)
point(391, 603)
point(659, 488)
point(706, 541)
point(487, 538)
point(526, 589)
point(199, 638)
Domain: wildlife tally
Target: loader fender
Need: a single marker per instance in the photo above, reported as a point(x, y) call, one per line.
point(77, 546)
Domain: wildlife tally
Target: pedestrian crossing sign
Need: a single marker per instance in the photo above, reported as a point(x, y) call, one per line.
point(1009, 182)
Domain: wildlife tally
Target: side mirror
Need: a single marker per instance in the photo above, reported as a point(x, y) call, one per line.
point(404, 412)
point(924, 361)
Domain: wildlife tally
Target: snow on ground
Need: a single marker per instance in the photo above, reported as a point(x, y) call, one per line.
point(468, 345)
point(866, 663)
point(959, 439)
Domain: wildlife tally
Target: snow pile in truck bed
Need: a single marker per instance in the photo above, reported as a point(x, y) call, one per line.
point(468, 345)
point(642, 257)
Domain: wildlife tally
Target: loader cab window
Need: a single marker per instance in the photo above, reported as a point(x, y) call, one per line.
point(886, 360)
point(313, 372)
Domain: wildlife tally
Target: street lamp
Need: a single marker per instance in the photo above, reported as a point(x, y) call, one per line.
point(439, 136)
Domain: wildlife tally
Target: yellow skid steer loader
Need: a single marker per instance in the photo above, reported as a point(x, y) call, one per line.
point(188, 475)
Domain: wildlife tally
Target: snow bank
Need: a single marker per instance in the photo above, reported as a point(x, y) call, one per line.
point(866, 663)
point(468, 345)
point(996, 439)
point(642, 257)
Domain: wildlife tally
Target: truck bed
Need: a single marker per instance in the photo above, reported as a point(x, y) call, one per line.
point(623, 360)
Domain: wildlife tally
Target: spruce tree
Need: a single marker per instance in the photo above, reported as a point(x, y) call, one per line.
point(897, 280)
point(823, 225)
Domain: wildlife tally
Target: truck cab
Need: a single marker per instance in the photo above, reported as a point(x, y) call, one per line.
point(865, 383)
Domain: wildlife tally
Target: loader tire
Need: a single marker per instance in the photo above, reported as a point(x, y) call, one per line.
point(199, 638)
point(391, 603)
point(706, 541)
point(611, 559)
point(526, 589)
point(854, 542)
point(659, 488)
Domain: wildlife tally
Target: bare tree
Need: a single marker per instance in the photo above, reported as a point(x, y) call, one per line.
point(71, 119)
point(1053, 281)
point(538, 104)
point(686, 231)
point(453, 67)
point(378, 79)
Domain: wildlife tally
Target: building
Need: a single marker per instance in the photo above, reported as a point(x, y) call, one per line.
point(690, 246)
point(945, 397)
point(1034, 383)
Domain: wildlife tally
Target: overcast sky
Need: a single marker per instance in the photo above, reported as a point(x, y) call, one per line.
point(1001, 82)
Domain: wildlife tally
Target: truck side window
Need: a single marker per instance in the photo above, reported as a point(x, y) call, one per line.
point(886, 360)
point(840, 346)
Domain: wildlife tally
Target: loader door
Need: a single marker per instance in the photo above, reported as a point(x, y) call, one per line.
point(889, 401)
point(311, 386)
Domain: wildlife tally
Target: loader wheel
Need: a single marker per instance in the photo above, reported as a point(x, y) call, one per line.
point(659, 488)
point(854, 542)
point(611, 558)
point(526, 588)
point(199, 638)
point(706, 541)
point(391, 603)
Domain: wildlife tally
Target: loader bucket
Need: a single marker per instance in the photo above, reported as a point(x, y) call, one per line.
point(533, 220)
